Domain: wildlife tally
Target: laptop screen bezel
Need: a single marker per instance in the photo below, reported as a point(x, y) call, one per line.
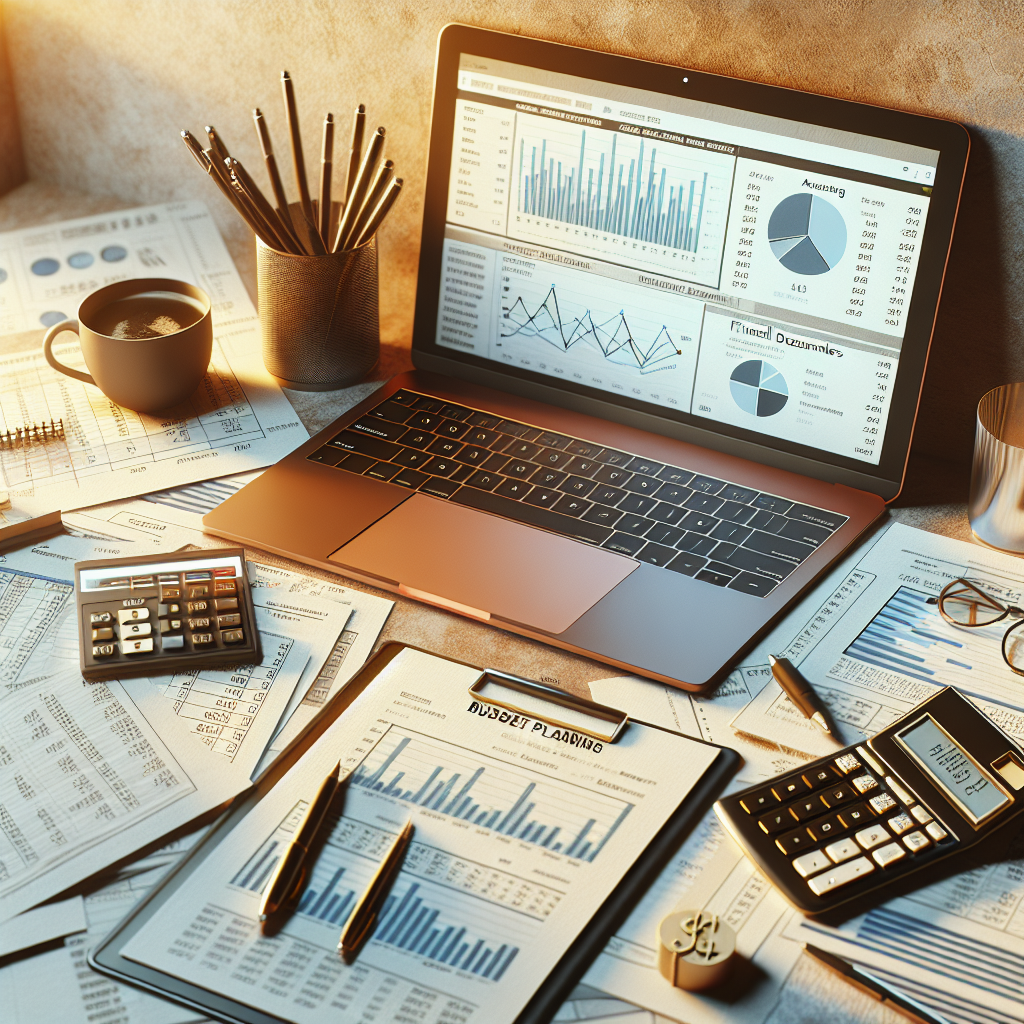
point(947, 137)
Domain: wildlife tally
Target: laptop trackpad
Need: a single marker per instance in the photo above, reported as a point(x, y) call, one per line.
point(473, 559)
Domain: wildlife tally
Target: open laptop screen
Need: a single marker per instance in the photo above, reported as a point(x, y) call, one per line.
point(731, 269)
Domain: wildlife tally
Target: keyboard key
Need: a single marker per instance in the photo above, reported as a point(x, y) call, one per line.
point(862, 783)
point(759, 800)
point(583, 448)
point(439, 487)
point(516, 429)
point(889, 855)
point(552, 440)
point(901, 823)
point(789, 788)
point(661, 533)
point(582, 467)
point(610, 457)
point(674, 493)
point(545, 497)
point(416, 438)
point(842, 850)
point(666, 513)
point(463, 473)
point(471, 455)
point(513, 488)
point(484, 480)
point(656, 554)
point(168, 643)
point(521, 450)
point(920, 813)
point(744, 495)
point(872, 836)
point(445, 446)
point(767, 521)
point(232, 636)
point(451, 428)
point(531, 515)
point(424, 420)
point(703, 503)
point(688, 564)
point(408, 478)
point(602, 515)
point(605, 495)
point(847, 763)
point(839, 795)
point(809, 863)
point(391, 411)
point(751, 583)
point(778, 547)
point(696, 544)
point(614, 475)
point(646, 466)
point(736, 513)
point(439, 467)
point(882, 803)
point(816, 516)
point(843, 874)
point(632, 523)
point(719, 579)
point(754, 561)
point(383, 470)
point(770, 503)
point(916, 842)
point(637, 503)
point(481, 419)
point(642, 484)
point(429, 404)
point(795, 842)
point(732, 532)
point(706, 484)
point(410, 457)
point(856, 815)
point(404, 398)
point(547, 478)
point(818, 777)
point(356, 463)
point(805, 533)
point(775, 821)
point(570, 506)
point(328, 455)
point(375, 428)
point(698, 522)
point(481, 437)
point(552, 458)
point(577, 485)
point(455, 412)
point(936, 831)
point(672, 475)
point(825, 828)
point(722, 553)
point(519, 469)
point(624, 543)
point(372, 446)
point(809, 807)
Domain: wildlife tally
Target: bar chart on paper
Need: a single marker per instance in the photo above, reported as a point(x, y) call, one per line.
point(443, 908)
point(555, 815)
point(604, 191)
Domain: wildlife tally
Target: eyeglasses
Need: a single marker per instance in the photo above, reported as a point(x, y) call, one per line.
point(964, 604)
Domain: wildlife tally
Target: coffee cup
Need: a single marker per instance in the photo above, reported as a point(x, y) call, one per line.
point(146, 342)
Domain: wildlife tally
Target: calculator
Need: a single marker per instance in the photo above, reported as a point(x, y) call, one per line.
point(937, 782)
point(164, 613)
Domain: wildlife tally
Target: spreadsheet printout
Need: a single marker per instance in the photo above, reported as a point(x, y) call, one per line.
point(237, 420)
point(520, 837)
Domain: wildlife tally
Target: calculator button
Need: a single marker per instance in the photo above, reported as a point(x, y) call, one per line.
point(169, 593)
point(114, 584)
point(203, 591)
point(901, 823)
point(172, 643)
point(137, 646)
point(197, 606)
point(882, 803)
point(100, 618)
point(790, 788)
point(865, 782)
point(168, 577)
point(889, 855)
point(855, 815)
point(225, 587)
point(760, 800)
point(203, 623)
point(232, 636)
point(826, 828)
point(163, 610)
point(936, 831)
point(811, 863)
point(202, 639)
point(809, 808)
point(132, 615)
point(916, 842)
point(224, 621)
point(823, 776)
point(847, 763)
point(842, 850)
point(901, 794)
point(104, 633)
point(869, 759)
point(871, 836)
point(794, 842)
point(197, 574)
point(223, 604)
point(921, 814)
point(130, 629)
point(103, 651)
point(170, 625)
point(839, 795)
point(775, 822)
point(842, 875)
point(224, 570)
point(142, 581)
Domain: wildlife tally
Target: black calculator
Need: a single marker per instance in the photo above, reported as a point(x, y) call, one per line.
point(164, 613)
point(937, 782)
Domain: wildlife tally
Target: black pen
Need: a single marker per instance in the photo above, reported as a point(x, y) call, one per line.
point(291, 870)
point(799, 691)
point(873, 986)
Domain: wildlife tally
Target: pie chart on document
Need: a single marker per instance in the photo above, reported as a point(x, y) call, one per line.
point(807, 234)
point(758, 388)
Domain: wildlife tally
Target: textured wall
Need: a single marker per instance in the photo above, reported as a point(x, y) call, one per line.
point(104, 116)
point(12, 167)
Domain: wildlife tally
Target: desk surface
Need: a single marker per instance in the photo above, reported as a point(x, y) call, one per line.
point(812, 995)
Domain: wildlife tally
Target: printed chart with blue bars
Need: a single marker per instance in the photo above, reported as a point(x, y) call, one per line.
point(556, 815)
point(910, 637)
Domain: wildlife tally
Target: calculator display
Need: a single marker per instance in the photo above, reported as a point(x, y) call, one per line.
point(955, 771)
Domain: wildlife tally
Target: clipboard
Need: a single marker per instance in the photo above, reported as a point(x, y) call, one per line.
point(509, 693)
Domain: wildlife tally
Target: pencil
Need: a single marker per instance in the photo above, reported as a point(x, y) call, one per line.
point(355, 152)
point(380, 183)
point(266, 147)
point(362, 183)
point(378, 215)
point(326, 164)
point(299, 162)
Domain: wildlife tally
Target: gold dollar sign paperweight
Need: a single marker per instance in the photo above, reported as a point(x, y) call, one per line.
point(695, 949)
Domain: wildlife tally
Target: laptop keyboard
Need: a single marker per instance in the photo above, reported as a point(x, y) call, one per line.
point(715, 531)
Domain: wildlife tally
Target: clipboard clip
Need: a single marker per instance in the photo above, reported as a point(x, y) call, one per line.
point(586, 716)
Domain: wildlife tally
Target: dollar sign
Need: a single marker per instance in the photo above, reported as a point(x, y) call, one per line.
point(699, 930)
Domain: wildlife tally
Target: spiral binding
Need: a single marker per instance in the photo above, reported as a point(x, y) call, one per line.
point(33, 434)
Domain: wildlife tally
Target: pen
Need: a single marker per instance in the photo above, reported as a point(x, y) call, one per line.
point(220, 151)
point(876, 988)
point(326, 163)
point(358, 191)
point(275, 178)
point(290, 873)
point(363, 918)
point(799, 691)
point(373, 197)
point(378, 215)
point(281, 239)
point(355, 151)
point(299, 162)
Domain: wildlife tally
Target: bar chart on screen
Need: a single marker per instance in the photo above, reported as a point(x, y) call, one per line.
point(645, 202)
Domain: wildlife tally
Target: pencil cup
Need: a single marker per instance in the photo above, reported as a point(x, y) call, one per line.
point(318, 316)
point(996, 504)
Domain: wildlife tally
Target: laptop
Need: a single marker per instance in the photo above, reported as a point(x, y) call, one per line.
point(670, 337)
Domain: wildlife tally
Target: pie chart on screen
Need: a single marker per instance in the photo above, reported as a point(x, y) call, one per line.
point(807, 234)
point(758, 388)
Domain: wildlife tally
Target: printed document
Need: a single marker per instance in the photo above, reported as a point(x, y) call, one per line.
point(238, 419)
point(522, 830)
